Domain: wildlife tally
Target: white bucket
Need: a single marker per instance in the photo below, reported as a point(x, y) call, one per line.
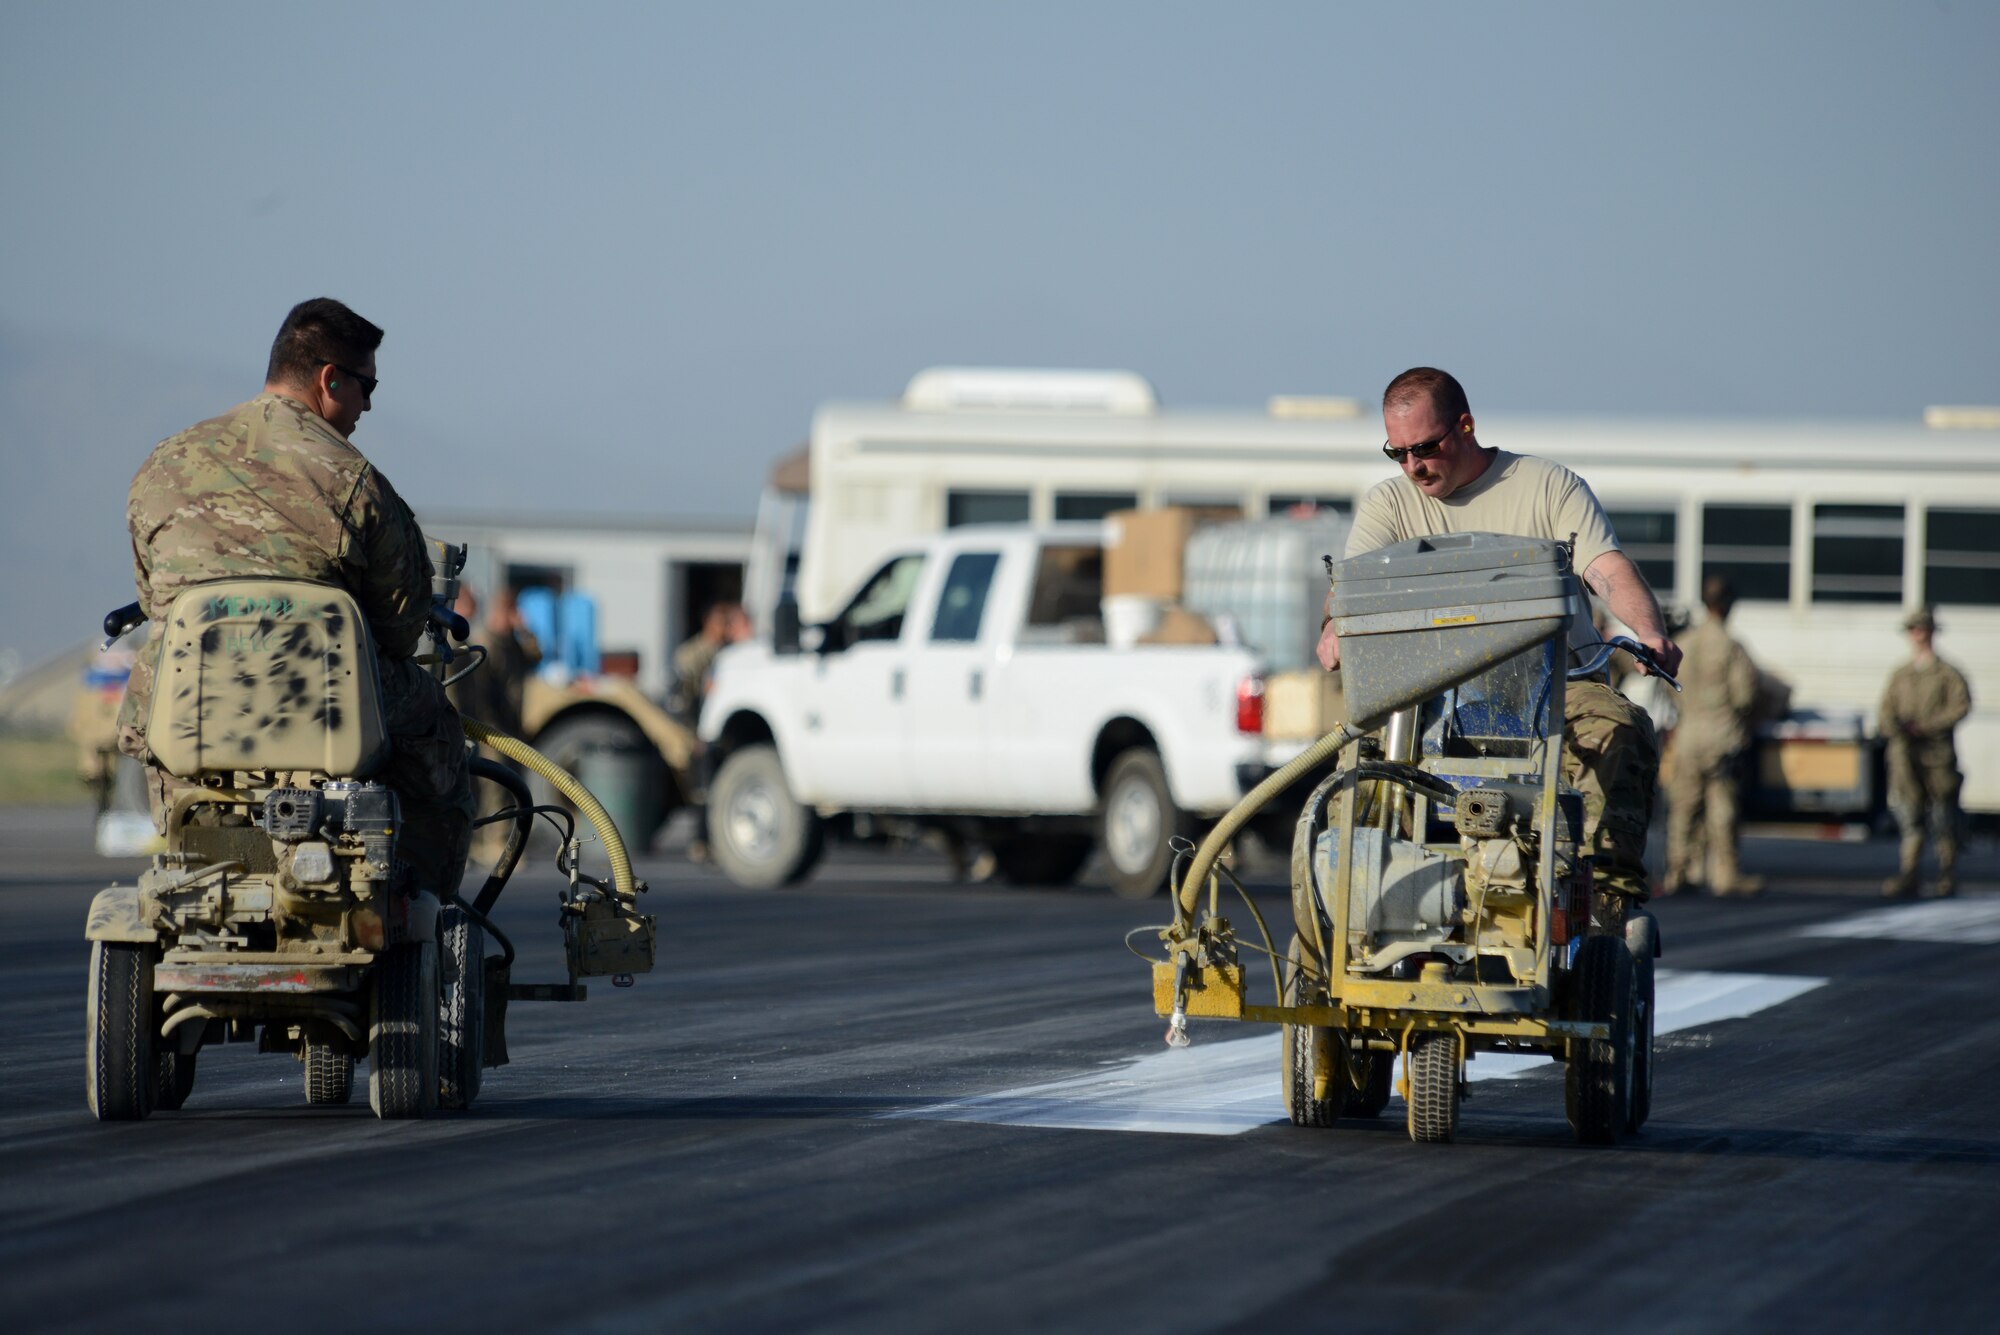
point(1129, 616)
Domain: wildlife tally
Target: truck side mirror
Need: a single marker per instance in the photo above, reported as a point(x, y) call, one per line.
point(785, 625)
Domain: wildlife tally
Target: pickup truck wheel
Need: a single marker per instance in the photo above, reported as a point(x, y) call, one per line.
point(758, 832)
point(1041, 859)
point(1136, 823)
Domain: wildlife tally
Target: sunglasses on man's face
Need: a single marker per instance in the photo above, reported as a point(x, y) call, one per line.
point(1423, 449)
point(368, 382)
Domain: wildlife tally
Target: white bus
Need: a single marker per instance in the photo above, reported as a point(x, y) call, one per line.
point(1832, 532)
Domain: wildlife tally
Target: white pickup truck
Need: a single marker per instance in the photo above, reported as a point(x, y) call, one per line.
point(967, 686)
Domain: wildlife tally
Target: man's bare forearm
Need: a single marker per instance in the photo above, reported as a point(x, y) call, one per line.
point(1624, 590)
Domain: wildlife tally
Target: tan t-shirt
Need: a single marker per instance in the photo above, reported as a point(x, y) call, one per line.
point(1518, 495)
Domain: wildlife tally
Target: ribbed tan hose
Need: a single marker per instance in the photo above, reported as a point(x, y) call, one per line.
point(1252, 803)
point(580, 797)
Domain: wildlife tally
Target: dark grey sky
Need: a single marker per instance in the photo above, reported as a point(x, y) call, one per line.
point(622, 251)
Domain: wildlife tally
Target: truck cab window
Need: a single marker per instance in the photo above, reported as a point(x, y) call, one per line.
point(877, 611)
point(962, 604)
point(1066, 605)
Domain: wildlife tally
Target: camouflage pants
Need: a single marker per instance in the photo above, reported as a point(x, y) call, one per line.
point(1923, 790)
point(1702, 813)
point(427, 766)
point(1612, 756)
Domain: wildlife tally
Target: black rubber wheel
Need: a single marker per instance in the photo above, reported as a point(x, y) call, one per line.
point(1136, 824)
point(565, 742)
point(1433, 1106)
point(1041, 859)
point(1304, 1048)
point(329, 1075)
point(1374, 1078)
point(119, 1069)
point(759, 834)
point(1642, 938)
point(173, 1079)
point(403, 1032)
point(1597, 1086)
point(462, 1013)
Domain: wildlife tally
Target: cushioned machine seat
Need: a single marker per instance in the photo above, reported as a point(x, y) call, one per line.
point(266, 674)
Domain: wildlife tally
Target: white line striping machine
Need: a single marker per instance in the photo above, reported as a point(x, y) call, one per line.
point(1441, 898)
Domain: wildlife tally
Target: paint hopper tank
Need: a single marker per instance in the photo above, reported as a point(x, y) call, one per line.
point(1419, 616)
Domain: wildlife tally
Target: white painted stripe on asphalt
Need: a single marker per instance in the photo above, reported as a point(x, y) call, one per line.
point(1224, 1088)
point(1972, 922)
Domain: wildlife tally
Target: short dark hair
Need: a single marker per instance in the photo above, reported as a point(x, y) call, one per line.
point(316, 333)
point(1718, 595)
point(1427, 384)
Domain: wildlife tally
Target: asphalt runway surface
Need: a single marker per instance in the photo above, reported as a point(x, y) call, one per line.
point(884, 1100)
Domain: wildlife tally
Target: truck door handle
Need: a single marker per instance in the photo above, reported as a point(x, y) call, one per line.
point(896, 684)
point(975, 684)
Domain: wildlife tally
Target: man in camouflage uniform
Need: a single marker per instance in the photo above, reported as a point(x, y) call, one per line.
point(1452, 484)
point(722, 625)
point(272, 488)
point(1719, 684)
point(1926, 698)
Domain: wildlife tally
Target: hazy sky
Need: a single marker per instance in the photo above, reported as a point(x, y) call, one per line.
point(621, 251)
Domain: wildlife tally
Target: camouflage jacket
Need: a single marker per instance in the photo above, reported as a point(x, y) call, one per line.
point(270, 489)
point(1925, 701)
point(1719, 687)
point(691, 664)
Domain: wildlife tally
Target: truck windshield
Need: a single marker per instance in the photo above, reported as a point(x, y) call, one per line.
point(877, 611)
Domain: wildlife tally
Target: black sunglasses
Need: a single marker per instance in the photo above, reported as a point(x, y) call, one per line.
point(1423, 449)
point(368, 382)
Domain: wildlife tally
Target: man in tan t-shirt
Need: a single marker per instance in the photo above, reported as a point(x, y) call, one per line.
point(1452, 484)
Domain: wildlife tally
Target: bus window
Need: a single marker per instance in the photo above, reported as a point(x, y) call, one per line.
point(1093, 504)
point(1962, 557)
point(1280, 506)
point(985, 507)
point(1192, 500)
point(1857, 554)
point(1648, 539)
point(877, 611)
point(962, 605)
point(1751, 547)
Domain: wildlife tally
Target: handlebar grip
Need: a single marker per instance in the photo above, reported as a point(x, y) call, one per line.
point(1644, 655)
point(121, 619)
point(455, 625)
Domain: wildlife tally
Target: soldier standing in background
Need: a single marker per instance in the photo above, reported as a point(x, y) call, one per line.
point(1926, 698)
point(724, 624)
point(1704, 765)
point(272, 488)
point(493, 693)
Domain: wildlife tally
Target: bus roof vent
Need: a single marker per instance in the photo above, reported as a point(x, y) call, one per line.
point(975, 389)
point(1312, 405)
point(1971, 418)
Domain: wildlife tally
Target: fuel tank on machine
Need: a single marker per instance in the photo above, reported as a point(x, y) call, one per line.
point(1422, 615)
